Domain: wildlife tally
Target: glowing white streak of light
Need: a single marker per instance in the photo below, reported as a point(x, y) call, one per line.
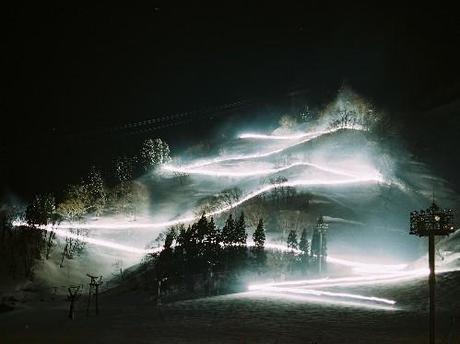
point(258, 172)
point(261, 155)
point(134, 225)
point(357, 267)
point(99, 242)
point(341, 282)
point(294, 136)
point(329, 293)
point(324, 300)
point(321, 281)
point(110, 244)
point(386, 279)
point(271, 137)
point(345, 281)
point(58, 229)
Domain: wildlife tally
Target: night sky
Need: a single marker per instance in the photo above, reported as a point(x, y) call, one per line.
point(71, 73)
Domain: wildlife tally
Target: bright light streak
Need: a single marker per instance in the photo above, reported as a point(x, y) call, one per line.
point(105, 243)
point(309, 137)
point(295, 136)
point(325, 300)
point(357, 266)
point(188, 219)
point(329, 293)
point(319, 283)
point(98, 242)
point(298, 183)
point(345, 281)
point(258, 172)
point(272, 137)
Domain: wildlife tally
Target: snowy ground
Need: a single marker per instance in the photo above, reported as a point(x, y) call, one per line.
point(250, 317)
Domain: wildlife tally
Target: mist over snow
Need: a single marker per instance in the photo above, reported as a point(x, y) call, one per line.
point(345, 162)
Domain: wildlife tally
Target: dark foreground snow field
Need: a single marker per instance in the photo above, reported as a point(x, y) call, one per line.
point(241, 318)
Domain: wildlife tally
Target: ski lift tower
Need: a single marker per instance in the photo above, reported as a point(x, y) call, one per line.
point(94, 284)
point(432, 222)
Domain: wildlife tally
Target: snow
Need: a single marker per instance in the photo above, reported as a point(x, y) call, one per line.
point(132, 317)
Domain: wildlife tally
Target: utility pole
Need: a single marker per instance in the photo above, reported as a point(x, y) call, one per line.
point(95, 282)
point(74, 295)
point(430, 223)
point(321, 229)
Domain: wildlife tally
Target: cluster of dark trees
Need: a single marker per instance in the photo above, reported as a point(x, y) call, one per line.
point(205, 259)
point(22, 246)
point(202, 255)
point(346, 119)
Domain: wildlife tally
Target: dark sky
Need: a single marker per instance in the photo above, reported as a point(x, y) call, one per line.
point(71, 69)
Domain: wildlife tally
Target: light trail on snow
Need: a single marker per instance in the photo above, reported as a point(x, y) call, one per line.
point(188, 219)
point(356, 266)
point(256, 172)
point(272, 137)
point(311, 286)
point(328, 293)
point(344, 281)
point(100, 242)
point(308, 138)
point(110, 244)
point(294, 136)
point(304, 289)
point(323, 300)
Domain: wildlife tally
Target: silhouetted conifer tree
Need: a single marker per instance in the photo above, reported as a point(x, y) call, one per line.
point(304, 244)
point(292, 240)
point(228, 231)
point(259, 242)
point(240, 231)
point(259, 235)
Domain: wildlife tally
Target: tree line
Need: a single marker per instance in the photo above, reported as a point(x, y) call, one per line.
point(117, 192)
point(200, 254)
point(203, 258)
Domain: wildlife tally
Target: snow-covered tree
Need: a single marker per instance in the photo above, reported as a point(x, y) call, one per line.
point(287, 122)
point(154, 153)
point(74, 205)
point(97, 196)
point(123, 169)
point(87, 197)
